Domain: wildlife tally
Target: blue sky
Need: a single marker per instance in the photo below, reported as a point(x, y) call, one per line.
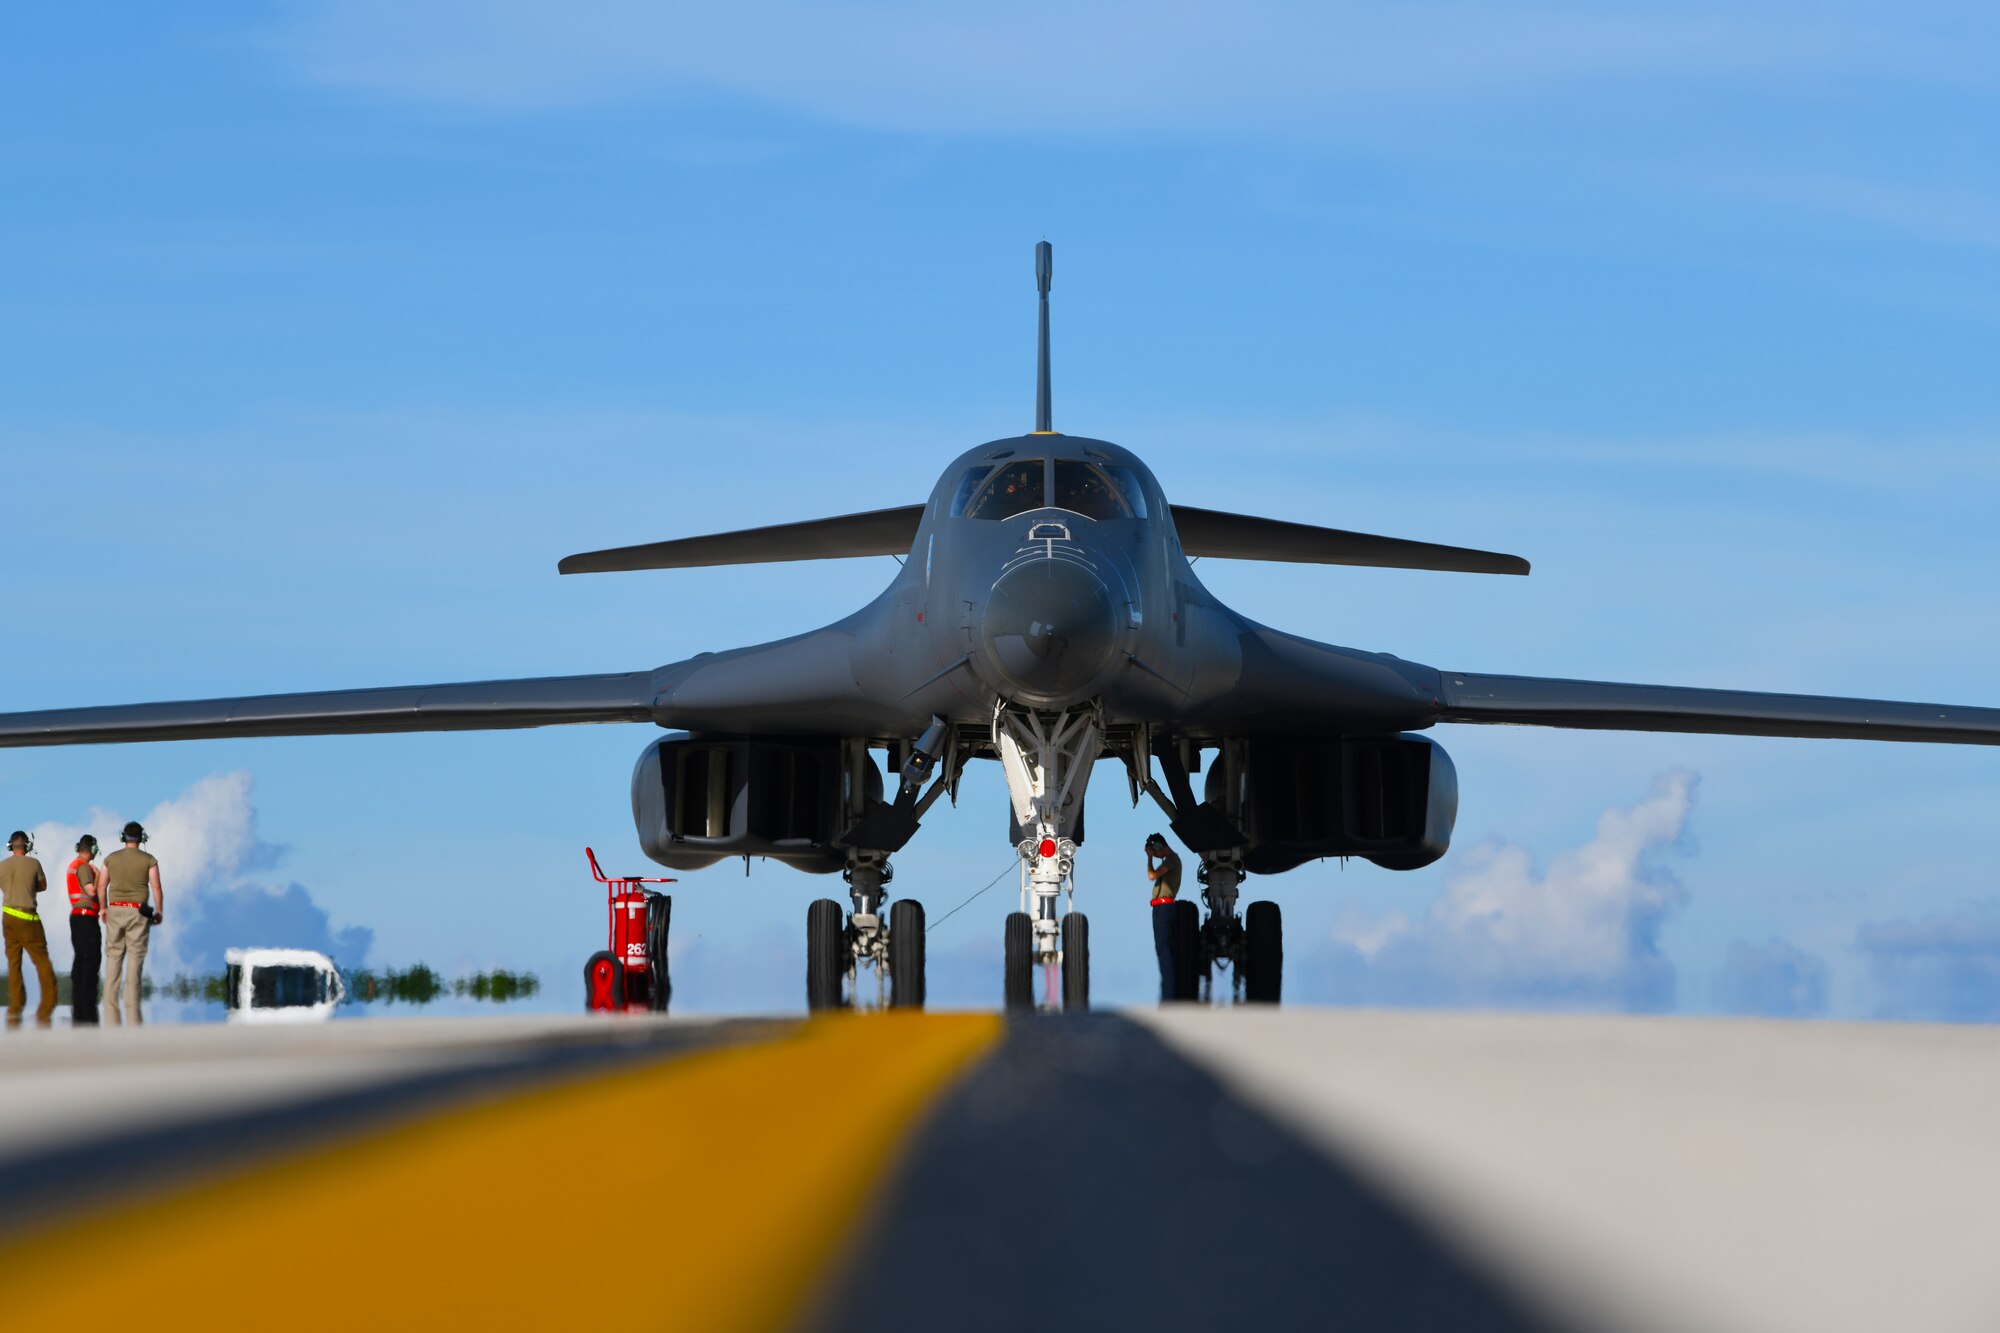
point(329, 327)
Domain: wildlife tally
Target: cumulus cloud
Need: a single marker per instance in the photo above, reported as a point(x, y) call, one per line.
point(1776, 979)
point(1943, 968)
point(212, 866)
point(1582, 933)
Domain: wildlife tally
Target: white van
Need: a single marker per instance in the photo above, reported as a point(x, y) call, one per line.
point(281, 986)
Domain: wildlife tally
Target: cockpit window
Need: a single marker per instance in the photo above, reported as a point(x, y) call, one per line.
point(1084, 488)
point(1128, 482)
point(968, 485)
point(1013, 489)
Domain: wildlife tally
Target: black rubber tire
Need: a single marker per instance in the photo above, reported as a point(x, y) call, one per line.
point(1187, 951)
point(906, 954)
point(615, 991)
point(1018, 974)
point(826, 954)
point(1263, 953)
point(659, 920)
point(1076, 963)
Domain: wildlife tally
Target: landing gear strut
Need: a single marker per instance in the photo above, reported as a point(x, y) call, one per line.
point(1252, 946)
point(837, 951)
point(1047, 759)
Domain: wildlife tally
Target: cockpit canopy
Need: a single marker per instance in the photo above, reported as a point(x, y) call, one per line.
point(999, 487)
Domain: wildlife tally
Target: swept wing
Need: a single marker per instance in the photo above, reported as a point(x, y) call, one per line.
point(472, 706)
point(1536, 701)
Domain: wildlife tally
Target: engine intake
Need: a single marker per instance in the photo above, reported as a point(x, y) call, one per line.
point(697, 800)
point(1390, 800)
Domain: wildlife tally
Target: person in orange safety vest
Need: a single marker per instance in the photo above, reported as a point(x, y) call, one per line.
point(86, 931)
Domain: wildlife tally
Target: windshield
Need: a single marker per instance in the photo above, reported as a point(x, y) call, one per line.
point(1083, 488)
point(1013, 489)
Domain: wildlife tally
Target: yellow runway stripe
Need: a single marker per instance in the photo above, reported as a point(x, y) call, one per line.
point(704, 1192)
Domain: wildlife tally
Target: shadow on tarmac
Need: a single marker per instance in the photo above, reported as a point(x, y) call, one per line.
point(1085, 1176)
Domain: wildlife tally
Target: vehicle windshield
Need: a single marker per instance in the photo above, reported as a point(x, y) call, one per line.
point(1084, 488)
point(287, 986)
point(1013, 489)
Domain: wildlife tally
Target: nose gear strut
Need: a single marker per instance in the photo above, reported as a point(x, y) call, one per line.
point(1047, 758)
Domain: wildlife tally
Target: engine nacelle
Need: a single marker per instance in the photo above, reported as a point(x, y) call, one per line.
point(698, 800)
point(1390, 800)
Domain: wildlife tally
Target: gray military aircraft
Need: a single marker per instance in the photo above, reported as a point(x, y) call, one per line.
point(1045, 616)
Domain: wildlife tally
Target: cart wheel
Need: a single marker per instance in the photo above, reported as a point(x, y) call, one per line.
point(603, 983)
point(826, 954)
point(659, 915)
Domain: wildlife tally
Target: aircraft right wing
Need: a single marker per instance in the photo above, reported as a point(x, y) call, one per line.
point(477, 706)
point(876, 532)
point(1535, 701)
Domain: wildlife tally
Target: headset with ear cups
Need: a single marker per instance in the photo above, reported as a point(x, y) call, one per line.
point(134, 832)
point(21, 839)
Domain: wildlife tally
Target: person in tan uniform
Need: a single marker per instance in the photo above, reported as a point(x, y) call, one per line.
point(130, 878)
point(21, 883)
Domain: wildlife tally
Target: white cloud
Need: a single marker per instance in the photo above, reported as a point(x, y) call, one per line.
point(1112, 65)
point(1582, 933)
point(209, 853)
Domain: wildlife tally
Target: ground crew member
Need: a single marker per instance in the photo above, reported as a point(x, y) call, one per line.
point(1166, 881)
point(21, 882)
point(86, 932)
point(130, 877)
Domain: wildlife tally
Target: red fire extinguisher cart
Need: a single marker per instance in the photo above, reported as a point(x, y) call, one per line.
point(632, 972)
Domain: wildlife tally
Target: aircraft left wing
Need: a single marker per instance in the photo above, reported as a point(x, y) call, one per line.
point(475, 706)
point(1609, 706)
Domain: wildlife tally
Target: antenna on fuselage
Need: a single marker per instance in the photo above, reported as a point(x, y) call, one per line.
point(1045, 267)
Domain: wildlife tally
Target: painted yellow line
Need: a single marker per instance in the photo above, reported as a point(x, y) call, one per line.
point(704, 1192)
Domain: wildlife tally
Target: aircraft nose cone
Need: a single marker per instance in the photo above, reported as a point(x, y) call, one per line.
point(1050, 629)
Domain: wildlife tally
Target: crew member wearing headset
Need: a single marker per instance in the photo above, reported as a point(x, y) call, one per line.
point(1165, 879)
point(130, 877)
point(21, 883)
point(86, 932)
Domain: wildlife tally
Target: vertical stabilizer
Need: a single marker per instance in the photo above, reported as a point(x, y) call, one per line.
point(1045, 267)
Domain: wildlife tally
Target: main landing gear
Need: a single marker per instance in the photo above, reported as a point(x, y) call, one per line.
point(838, 950)
point(1047, 759)
point(1251, 947)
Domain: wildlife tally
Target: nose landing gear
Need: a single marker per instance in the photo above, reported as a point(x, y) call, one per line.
point(1047, 759)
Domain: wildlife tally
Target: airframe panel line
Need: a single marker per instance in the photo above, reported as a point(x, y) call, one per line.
point(727, 1157)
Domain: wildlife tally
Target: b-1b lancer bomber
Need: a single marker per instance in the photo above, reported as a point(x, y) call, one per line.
point(1045, 615)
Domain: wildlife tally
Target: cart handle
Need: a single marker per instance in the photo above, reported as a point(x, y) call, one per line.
point(603, 878)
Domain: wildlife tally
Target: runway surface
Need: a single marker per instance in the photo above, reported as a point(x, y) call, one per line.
point(1183, 1168)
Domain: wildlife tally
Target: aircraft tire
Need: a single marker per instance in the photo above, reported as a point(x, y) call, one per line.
point(1187, 951)
point(603, 983)
point(1019, 964)
point(1263, 953)
point(906, 954)
point(826, 962)
point(659, 916)
point(1076, 963)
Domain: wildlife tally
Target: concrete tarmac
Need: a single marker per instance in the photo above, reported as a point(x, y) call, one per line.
point(1177, 1168)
